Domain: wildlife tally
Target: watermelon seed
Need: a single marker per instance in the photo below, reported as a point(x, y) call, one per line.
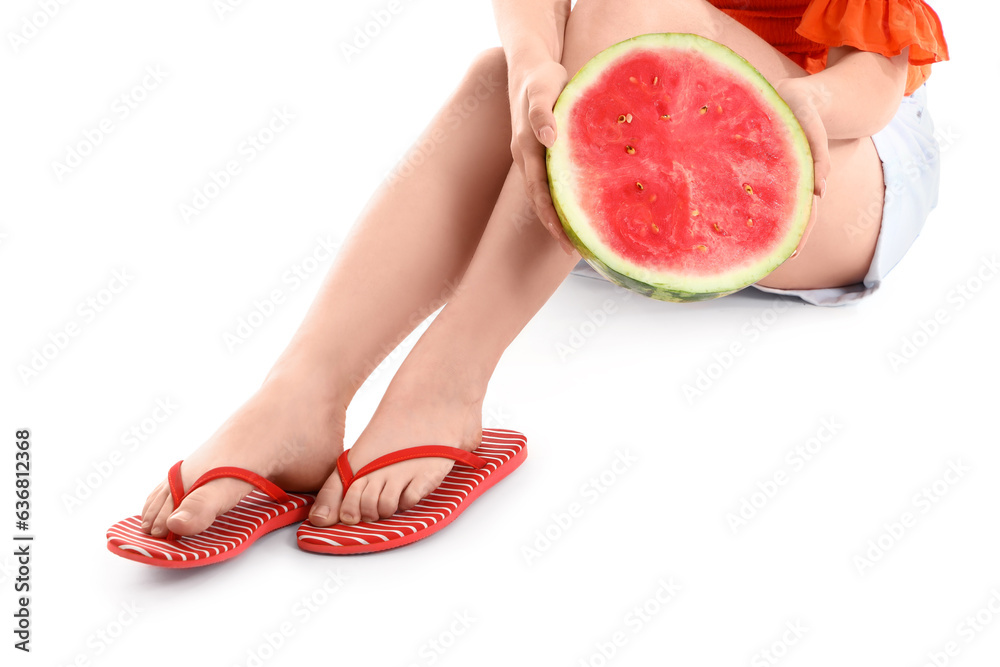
point(655, 228)
point(749, 222)
point(621, 119)
point(628, 118)
point(665, 117)
point(702, 248)
point(704, 109)
point(737, 136)
point(719, 108)
point(630, 150)
point(655, 79)
point(638, 185)
point(694, 213)
point(716, 227)
point(746, 186)
point(633, 79)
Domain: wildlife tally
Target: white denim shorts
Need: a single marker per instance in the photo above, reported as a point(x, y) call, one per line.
point(911, 169)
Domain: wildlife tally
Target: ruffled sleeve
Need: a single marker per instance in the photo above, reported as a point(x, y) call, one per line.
point(880, 26)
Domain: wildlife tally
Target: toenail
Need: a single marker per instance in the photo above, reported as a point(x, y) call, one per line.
point(348, 516)
point(181, 515)
point(321, 512)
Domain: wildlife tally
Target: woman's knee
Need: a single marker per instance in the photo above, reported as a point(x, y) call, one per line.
point(488, 70)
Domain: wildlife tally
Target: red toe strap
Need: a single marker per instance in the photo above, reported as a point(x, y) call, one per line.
point(178, 494)
point(347, 477)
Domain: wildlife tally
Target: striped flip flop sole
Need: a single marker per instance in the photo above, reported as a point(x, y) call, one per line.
point(230, 534)
point(502, 449)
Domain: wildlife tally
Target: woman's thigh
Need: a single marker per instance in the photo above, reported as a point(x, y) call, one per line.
point(839, 250)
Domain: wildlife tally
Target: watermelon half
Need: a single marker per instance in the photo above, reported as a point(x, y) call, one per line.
point(678, 171)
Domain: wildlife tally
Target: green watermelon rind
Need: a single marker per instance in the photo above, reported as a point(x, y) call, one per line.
point(667, 286)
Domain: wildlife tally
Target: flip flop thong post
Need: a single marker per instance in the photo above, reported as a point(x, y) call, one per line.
point(499, 454)
point(264, 509)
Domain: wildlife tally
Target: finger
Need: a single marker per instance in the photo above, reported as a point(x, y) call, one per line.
point(542, 94)
point(809, 227)
point(819, 146)
point(538, 191)
point(326, 510)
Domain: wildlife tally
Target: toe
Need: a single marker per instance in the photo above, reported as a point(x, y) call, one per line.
point(326, 510)
point(153, 506)
point(159, 523)
point(199, 508)
point(411, 495)
point(388, 500)
point(370, 498)
point(350, 507)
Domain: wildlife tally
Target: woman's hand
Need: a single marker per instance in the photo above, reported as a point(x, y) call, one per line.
point(804, 98)
point(533, 93)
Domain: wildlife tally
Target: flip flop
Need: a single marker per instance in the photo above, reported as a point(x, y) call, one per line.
point(264, 509)
point(500, 453)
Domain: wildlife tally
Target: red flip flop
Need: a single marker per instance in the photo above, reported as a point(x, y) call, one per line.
point(499, 454)
point(264, 509)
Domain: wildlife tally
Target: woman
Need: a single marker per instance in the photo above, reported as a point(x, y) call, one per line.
point(453, 229)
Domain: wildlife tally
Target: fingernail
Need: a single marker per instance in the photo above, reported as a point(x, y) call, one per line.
point(321, 512)
point(547, 136)
point(181, 515)
point(822, 188)
point(146, 524)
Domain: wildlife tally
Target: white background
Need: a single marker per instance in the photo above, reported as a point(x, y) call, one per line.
point(621, 391)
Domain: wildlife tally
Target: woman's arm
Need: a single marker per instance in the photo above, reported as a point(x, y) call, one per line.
point(532, 33)
point(856, 95)
point(531, 30)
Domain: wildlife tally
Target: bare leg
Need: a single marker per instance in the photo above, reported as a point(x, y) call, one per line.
point(420, 230)
point(436, 395)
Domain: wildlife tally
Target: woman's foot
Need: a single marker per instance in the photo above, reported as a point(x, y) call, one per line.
point(425, 404)
point(290, 432)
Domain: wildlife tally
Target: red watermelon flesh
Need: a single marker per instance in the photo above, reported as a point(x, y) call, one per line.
point(679, 171)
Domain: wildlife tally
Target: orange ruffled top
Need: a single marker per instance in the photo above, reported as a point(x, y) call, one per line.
point(805, 30)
